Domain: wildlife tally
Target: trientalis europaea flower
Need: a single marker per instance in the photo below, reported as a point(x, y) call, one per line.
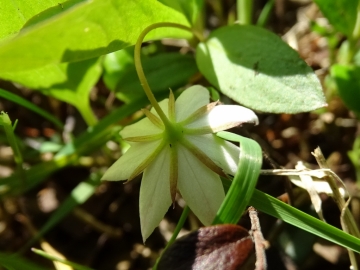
point(179, 152)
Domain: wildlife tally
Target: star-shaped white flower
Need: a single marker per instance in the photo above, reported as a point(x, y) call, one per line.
point(181, 155)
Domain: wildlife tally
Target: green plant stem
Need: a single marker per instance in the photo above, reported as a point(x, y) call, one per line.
point(6, 123)
point(354, 38)
point(244, 11)
point(9, 131)
point(140, 71)
point(87, 114)
point(179, 225)
point(265, 13)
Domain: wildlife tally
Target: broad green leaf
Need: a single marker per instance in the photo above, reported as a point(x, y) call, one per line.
point(67, 82)
point(257, 69)
point(52, 11)
point(163, 71)
point(347, 79)
point(27, 104)
point(244, 182)
point(340, 13)
point(190, 8)
point(87, 30)
point(274, 207)
point(14, 14)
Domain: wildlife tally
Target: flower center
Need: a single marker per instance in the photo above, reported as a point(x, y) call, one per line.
point(173, 133)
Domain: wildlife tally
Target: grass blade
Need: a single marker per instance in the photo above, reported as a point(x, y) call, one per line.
point(244, 182)
point(276, 208)
point(53, 258)
point(27, 104)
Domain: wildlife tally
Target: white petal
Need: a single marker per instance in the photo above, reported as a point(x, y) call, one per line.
point(164, 105)
point(155, 196)
point(200, 187)
point(127, 164)
point(223, 117)
point(191, 100)
point(223, 153)
point(142, 128)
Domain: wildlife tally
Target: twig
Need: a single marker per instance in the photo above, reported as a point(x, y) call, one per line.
point(260, 243)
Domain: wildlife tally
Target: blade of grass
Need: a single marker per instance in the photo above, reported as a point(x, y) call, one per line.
point(14, 262)
point(9, 131)
point(265, 13)
point(276, 208)
point(240, 193)
point(244, 182)
point(27, 104)
point(53, 258)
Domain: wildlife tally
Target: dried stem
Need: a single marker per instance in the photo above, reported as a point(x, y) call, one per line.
point(260, 243)
point(347, 219)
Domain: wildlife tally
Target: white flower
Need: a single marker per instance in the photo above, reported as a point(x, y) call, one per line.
point(181, 155)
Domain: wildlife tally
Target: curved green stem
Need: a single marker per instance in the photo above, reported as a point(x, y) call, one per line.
point(140, 70)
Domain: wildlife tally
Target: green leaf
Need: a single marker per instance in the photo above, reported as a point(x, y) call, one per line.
point(14, 14)
point(340, 13)
point(163, 71)
point(88, 30)
point(244, 182)
point(274, 207)
point(115, 66)
point(347, 79)
point(15, 262)
point(67, 82)
point(27, 104)
point(52, 11)
point(257, 69)
point(192, 9)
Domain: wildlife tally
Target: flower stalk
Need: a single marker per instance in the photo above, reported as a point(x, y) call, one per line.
point(140, 71)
